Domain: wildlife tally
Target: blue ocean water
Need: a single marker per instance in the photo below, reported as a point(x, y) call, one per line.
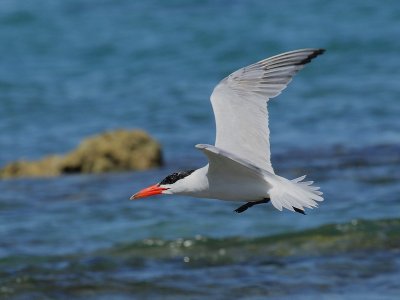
point(70, 69)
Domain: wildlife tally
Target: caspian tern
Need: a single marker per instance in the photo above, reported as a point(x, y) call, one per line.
point(239, 166)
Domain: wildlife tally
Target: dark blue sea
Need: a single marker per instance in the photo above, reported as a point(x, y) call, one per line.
point(72, 69)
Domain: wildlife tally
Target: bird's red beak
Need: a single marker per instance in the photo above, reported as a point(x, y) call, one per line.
point(150, 191)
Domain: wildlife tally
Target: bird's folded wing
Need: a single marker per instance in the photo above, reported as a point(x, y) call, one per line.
point(225, 161)
point(239, 104)
point(284, 193)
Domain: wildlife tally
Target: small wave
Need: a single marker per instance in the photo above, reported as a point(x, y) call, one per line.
point(340, 157)
point(18, 18)
point(357, 235)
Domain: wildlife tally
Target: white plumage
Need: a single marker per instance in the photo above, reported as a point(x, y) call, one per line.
point(239, 167)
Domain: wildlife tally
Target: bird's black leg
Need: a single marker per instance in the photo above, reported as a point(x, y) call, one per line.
point(247, 205)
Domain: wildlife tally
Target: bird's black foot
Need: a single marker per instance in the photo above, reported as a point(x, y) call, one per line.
point(247, 205)
point(243, 208)
point(300, 211)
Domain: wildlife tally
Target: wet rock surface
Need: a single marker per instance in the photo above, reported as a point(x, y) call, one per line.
point(120, 150)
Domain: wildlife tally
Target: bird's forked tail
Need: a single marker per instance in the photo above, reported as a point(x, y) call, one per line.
point(294, 194)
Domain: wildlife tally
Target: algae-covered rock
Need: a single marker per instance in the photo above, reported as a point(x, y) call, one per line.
point(120, 150)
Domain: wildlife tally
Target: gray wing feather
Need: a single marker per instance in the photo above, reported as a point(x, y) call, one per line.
point(239, 104)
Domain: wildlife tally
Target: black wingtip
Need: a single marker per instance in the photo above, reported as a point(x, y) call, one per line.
point(300, 211)
point(312, 55)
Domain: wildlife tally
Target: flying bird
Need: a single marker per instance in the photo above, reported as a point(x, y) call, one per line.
point(239, 165)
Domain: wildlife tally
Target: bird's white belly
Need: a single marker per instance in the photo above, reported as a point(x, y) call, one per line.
point(234, 194)
point(238, 190)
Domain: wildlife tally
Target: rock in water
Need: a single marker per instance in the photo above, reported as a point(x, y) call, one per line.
point(119, 150)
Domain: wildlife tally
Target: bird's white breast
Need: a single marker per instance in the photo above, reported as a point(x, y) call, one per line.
point(230, 186)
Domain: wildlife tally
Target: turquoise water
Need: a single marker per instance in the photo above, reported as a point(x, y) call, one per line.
point(75, 68)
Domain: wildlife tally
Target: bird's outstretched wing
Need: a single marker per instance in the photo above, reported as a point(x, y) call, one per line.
point(239, 104)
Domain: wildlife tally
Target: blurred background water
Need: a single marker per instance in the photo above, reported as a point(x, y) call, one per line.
point(69, 69)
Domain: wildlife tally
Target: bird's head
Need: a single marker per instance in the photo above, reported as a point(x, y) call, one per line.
point(168, 185)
